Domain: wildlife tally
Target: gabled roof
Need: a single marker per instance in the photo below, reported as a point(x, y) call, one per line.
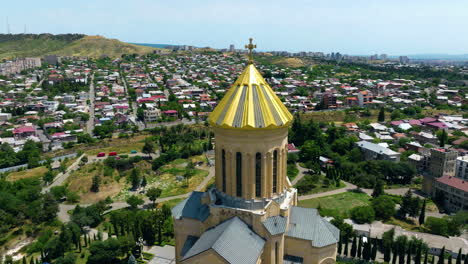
point(192, 207)
point(250, 103)
point(307, 224)
point(275, 225)
point(233, 240)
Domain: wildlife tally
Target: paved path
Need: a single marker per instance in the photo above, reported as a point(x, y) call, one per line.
point(302, 172)
point(348, 187)
point(61, 177)
point(64, 208)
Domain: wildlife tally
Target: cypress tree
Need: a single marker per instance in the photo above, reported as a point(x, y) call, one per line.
point(85, 240)
point(353, 248)
point(433, 259)
point(408, 258)
point(441, 256)
point(381, 117)
point(401, 257)
point(367, 253)
point(425, 257)
point(387, 253)
point(31, 261)
point(466, 259)
point(346, 246)
point(395, 255)
point(422, 215)
point(449, 259)
point(374, 249)
point(417, 258)
point(340, 245)
point(459, 257)
point(359, 248)
point(24, 260)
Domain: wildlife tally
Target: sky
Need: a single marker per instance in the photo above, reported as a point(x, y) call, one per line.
point(355, 27)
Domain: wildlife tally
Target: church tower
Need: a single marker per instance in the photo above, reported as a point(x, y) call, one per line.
point(251, 214)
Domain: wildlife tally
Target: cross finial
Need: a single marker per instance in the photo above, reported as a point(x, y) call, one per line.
point(250, 47)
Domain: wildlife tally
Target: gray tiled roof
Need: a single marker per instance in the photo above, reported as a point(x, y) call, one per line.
point(306, 223)
point(233, 240)
point(275, 225)
point(192, 208)
point(376, 148)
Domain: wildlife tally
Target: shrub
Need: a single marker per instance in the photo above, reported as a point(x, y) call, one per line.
point(384, 207)
point(363, 214)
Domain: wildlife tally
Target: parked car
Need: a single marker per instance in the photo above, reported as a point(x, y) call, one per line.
point(133, 152)
point(101, 154)
point(113, 153)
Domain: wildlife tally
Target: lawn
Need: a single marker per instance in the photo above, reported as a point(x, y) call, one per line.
point(35, 172)
point(338, 204)
point(324, 188)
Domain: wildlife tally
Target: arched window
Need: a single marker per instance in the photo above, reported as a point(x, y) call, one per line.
point(275, 171)
point(258, 174)
point(223, 169)
point(239, 174)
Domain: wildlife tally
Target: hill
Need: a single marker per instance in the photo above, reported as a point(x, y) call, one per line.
point(37, 45)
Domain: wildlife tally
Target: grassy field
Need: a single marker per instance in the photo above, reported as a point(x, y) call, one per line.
point(338, 204)
point(35, 172)
point(323, 188)
point(120, 145)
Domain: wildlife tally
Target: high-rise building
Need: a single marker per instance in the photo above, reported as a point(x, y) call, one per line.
point(251, 215)
point(403, 59)
point(231, 48)
point(441, 163)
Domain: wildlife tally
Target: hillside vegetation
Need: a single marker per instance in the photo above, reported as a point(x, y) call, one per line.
point(32, 45)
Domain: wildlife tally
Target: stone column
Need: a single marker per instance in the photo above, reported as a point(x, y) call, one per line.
point(252, 175)
point(218, 170)
point(264, 175)
point(269, 174)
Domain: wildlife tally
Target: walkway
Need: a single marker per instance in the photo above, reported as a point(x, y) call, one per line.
point(301, 174)
point(348, 187)
point(90, 123)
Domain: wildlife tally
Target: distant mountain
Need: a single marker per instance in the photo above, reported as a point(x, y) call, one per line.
point(38, 45)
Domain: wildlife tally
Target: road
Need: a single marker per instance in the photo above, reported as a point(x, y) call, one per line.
point(65, 208)
point(90, 123)
point(61, 177)
point(133, 104)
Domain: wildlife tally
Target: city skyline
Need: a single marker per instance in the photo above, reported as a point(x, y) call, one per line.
point(359, 28)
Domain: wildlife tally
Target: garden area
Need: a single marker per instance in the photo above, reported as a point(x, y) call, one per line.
point(338, 204)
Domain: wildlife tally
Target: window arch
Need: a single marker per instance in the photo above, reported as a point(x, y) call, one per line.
point(239, 174)
point(258, 174)
point(275, 171)
point(223, 169)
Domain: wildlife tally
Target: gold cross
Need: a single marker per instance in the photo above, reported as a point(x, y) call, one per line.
point(250, 47)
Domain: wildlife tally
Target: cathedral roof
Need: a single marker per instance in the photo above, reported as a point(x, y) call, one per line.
point(192, 207)
point(250, 103)
point(307, 224)
point(233, 240)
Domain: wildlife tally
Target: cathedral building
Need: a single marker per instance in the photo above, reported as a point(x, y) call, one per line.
point(251, 215)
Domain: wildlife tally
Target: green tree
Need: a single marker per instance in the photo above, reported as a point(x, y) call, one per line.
point(443, 137)
point(48, 177)
point(363, 214)
point(422, 215)
point(148, 148)
point(378, 189)
point(95, 183)
point(381, 117)
point(135, 178)
point(134, 202)
point(354, 247)
point(441, 256)
point(384, 207)
point(153, 194)
point(359, 248)
point(459, 257)
point(438, 226)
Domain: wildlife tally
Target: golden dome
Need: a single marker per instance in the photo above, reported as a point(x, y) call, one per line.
point(250, 103)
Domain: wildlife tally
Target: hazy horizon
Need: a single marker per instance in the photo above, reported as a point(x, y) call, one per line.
point(359, 27)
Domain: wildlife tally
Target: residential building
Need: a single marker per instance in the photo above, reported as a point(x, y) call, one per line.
point(373, 151)
point(152, 115)
point(441, 163)
point(251, 215)
point(462, 168)
point(452, 191)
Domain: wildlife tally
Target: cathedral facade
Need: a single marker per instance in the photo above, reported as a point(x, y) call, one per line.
point(251, 215)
